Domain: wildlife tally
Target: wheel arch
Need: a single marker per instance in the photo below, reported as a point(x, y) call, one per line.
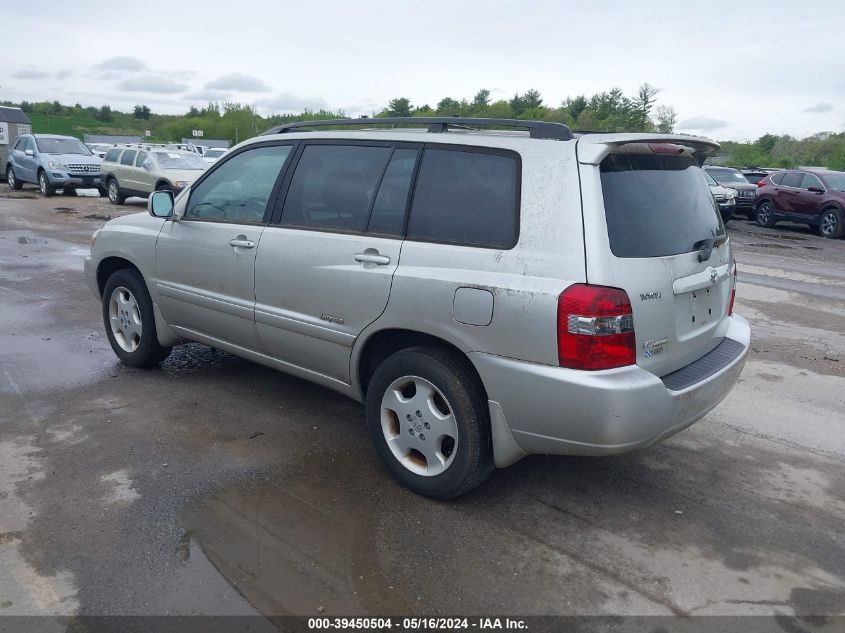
point(110, 265)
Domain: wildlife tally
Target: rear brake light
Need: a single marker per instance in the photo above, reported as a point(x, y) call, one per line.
point(665, 148)
point(595, 328)
point(760, 183)
point(733, 289)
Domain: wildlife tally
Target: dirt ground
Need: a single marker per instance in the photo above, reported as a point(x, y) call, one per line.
point(215, 486)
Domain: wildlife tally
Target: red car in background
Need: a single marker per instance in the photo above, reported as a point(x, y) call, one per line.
point(811, 197)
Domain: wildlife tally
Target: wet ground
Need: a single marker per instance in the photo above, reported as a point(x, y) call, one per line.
point(215, 486)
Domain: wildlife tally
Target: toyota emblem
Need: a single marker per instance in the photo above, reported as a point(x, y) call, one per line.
point(713, 275)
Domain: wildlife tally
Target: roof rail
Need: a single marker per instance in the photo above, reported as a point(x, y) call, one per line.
point(440, 124)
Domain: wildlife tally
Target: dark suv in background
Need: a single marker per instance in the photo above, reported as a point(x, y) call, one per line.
point(734, 179)
point(813, 197)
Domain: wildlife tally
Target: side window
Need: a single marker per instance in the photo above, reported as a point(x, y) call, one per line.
point(28, 144)
point(468, 198)
point(20, 144)
point(142, 156)
point(128, 157)
point(111, 155)
point(792, 179)
point(388, 215)
point(776, 178)
point(811, 181)
point(333, 186)
point(239, 189)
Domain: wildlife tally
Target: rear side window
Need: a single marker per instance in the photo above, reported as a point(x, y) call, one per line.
point(111, 155)
point(792, 179)
point(128, 157)
point(467, 198)
point(388, 215)
point(333, 187)
point(776, 178)
point(657, 205)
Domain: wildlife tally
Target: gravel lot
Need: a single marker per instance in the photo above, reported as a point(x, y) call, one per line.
point(213, 485)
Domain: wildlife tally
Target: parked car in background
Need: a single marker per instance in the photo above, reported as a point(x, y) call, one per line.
point(405, 267)
point(755, 175)
point(135, 171)
point(812, 197)
point(52, 162)
point(212, 154)
point(733, 178)
point(725, 197)
point(99, 149)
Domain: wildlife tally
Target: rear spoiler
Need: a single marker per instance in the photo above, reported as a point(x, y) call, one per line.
point(592, 148)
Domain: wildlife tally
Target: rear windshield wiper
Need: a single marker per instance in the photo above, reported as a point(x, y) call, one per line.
point(705, 246)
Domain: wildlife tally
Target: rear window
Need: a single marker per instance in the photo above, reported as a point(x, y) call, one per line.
point(467, 198)
point(657, 205)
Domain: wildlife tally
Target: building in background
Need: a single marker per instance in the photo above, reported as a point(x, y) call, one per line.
point(13, 123)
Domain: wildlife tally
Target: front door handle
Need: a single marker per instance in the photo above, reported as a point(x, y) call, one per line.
point(241, 243)
point(372, 258)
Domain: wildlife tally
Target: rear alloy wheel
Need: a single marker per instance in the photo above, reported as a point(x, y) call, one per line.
point(429, 422)
point(115, 196)
point(764, 214)
point(830, 224)
point(14, 183)
point(44, 185)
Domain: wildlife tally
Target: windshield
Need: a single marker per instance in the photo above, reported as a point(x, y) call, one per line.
point(728, 175)
point(657, 205)
point(62, 146)
point(175, 160)
point(835, 181)
point(709, 179)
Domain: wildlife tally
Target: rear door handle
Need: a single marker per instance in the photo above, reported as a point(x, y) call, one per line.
point(241, 243)
point(372, 258)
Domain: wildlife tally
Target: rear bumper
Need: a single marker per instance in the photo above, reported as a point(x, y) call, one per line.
point(560, 411)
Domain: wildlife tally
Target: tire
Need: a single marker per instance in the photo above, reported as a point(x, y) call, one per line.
point(103, 192)
point(129, 321)
point(12, 181)
point(115, 195)
point(830, 223)
point(47, 190)
point(439, 466)
point(765, 213)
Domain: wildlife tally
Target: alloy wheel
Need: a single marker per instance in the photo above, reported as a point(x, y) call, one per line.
point(113, 191)
point(419, 426)
point(125, 319)
point(42, 183)
point(828, 223)
point(763, 213)
point(10, 178)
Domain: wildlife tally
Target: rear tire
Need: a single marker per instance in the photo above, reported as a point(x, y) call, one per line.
point(830, 223)
point(115, 195)
point(428, 419)
point(765, 213)
point(47, 190)
point(129, 320)
point(13, 182)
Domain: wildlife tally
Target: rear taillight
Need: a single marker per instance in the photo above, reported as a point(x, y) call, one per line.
point(595, 328)
point(760, 183)
point(733, 289)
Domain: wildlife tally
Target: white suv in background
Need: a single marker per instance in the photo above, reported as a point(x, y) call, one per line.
point(486, 294)
point(138, 171)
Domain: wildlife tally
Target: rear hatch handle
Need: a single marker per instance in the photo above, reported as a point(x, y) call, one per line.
point(706, 278)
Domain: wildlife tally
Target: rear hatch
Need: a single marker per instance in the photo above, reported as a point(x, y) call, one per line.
point(653, 229)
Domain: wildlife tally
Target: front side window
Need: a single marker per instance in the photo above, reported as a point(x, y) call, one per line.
point(467, 198)
point(333, 187)
point(128, 157)
point(111, 155)
point(793, 179)
point(142, 156)
point(811, 181)
point(62, 146)
point(239, 189)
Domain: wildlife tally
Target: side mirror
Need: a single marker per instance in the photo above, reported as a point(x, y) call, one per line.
point(814, 189)
point(29, 152)
point(160, 204)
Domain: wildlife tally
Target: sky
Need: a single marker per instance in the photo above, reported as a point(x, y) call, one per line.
point(732, 70)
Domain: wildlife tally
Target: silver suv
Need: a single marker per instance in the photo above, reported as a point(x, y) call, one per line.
point(486, 294)
point(140, 170)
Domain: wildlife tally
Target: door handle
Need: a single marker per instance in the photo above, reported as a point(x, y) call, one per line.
point(372, 258)
point(241, 243)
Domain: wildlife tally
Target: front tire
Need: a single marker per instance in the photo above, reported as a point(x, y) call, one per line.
point(765, 214)
point(13, 182)
point(47, 190)
point(830, 224)
point(129, 320)
point(428, 419)
point(114, 193)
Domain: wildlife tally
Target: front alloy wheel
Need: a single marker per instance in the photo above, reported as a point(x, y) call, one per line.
point(830, 224)
point(44, 185)
point(125, 319)
point(764, 214)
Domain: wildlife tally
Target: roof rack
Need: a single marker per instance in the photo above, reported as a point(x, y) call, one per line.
point(440, 124)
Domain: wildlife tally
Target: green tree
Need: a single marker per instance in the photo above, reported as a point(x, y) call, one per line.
point(642, 105)
point(666, 118)
point(398, 107)
point(141, 112)
point(448, 107)
point(481, 99)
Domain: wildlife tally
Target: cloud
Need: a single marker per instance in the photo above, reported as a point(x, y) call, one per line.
point(287, 102)
point(121, 62)
point(820, 107)
point(30, 74)
point(151, 83)
point(207, 95)
point(238, 81)
point(64, 74)
point(703, 123)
